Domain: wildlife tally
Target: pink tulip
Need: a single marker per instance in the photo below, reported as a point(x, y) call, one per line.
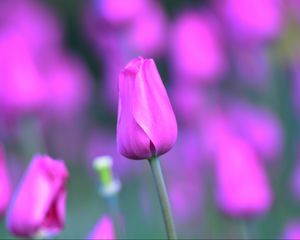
point(260, 127)
point(104, 230)
point(119, 12)
point(5, 186)
point(242, 185)
point(68, 84)
point(292, 231)
point(147, 34)
point(196, 50)
point(38, 206)
point(35, 22)
point(146, 123)
point(262, 22)
point(22, 88)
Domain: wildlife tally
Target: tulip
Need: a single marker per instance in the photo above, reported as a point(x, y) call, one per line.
point(119, 12)
point(242, 185)
point(147, 34)
point(38, 206)
point(264, 25)
point(146, 123)
point(260, 127)
point(68, 85)
point(103, 230)
point(35, 22)
point(22, 88)
point(196, 49)
point(5, 187)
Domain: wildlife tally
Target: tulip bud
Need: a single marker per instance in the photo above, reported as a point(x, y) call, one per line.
point(103, 230)
point(146, 122)
point(39, 203)
point(243, 188)
point(5, 187)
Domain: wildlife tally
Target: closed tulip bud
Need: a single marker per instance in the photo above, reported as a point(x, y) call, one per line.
point(5, 187)
point(103, 230)
point(243, 188)
point(146, 122)
point(38, 206)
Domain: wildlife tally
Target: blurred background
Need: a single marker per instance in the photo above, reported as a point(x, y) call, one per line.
point(232, 71)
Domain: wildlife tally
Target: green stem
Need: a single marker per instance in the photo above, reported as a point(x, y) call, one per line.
point(245, 230)
point(163, 197)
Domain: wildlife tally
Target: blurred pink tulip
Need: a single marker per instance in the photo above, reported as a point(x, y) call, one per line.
point(38, 205)
point(260, 127)
point(35, 22)
point(242, 185)
point(196, 51)
point(189, 103)
point(291, 231)
point(22, 88)
point(104, 230)
point(5, 185)
point(119, 12)
point(68, 85)
point(261, 23)
point(147, 34)
point(146, 123)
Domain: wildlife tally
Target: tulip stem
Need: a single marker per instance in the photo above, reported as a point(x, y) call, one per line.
point(163, 197)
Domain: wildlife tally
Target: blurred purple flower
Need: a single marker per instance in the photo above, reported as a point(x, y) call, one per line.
point(68, 85)
point(260, 127)
point(119, 12)
point(291, 231)
point(22, 88)
point(146, 123)
point(35, 22)
point(188, 103)
point(147, 33)
point(5, 185)
point(253, 64)
point(261, 23)
point(38, 205)
point(195, 48)
point(242, 185)
point(104, 230)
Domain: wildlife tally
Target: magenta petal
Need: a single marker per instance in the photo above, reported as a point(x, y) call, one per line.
point(38, 204)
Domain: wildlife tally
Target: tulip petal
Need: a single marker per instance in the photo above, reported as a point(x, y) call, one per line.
point(152, 109)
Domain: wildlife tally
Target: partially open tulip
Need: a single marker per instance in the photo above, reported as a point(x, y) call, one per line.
point(38, 206)
point(146, 123)
point(242, 185)
point(5, 187)
point(104, 230)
